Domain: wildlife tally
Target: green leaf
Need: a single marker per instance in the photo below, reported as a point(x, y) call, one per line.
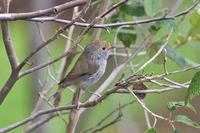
point(117, 17)
point(154, 29)
point(168, 24)
point(181, 39)
point(171, 53)
point(127, 35)
point(185, 120)
point(195, 22)
point(160, 59)
point(175, 131)
point(152, 7)
point(196, 37)
point(171, 106)
point(195, 18)
point(151, 130)
point(176, 56)
point(194, 88)
point(135, 9)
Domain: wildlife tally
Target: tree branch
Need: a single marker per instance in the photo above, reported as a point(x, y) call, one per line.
point(6, 89)
point(118, 24)
point(74, 114)
point(31, 70)
point(92, 102)
point(118, 109)
point(7, 39)
point(10, 53)
point(45, 12)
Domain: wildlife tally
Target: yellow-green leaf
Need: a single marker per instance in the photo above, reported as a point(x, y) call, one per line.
point(127, 35)
point(151, 130)
point(160, 59)
point(194, 88)
point(185, 120)
point(171, 106)
point(152, 7)
point(175, 131)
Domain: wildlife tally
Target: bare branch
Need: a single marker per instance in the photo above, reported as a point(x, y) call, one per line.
point(11, 55)
point(165, 17)
point(74, 114)
point(112, 8)
point(117, 119)
point(45, 12)
point(91, 103)
point(92, 129)
point(7, 39)
point(6, 89)
point(31, 70)
point(66, 61)
point(149, 111)
point(8, 86)
point(39, 123)
point(188, 10)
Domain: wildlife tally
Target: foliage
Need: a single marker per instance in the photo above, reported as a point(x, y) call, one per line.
point(194, 88)
point(172, 106)
point(151, 130)
point(145, 26)
point(185, 120)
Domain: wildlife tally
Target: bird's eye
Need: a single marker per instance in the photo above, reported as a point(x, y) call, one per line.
point(103, 48)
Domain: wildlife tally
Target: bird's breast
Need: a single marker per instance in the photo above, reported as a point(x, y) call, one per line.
point(93, 78)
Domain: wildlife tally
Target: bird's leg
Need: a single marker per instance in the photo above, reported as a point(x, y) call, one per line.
point(74, 113)
point(75, 100)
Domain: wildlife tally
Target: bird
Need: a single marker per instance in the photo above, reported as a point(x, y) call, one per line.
point(89, 68)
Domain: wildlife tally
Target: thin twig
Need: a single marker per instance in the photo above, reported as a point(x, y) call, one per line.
point(117, 119)
point(143, 106)
point(31, 70)
point(113, 7)
point(157, 53)
point(108, 116)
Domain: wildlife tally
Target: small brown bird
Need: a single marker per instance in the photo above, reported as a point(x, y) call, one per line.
point(89, 67)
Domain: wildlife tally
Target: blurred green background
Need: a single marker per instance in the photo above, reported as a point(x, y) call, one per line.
point(20, 101)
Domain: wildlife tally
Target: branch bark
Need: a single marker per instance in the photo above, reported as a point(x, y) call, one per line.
point(94, 101)
point(74, 114)
point(6, 89)
point(10, 53)
point(118, 24)
point(9, 84)
point(45, 12)
point(7, 39)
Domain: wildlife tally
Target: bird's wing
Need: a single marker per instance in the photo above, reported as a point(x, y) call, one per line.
point(83, 66)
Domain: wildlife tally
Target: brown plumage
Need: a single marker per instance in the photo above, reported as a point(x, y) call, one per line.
point(89, 67)
point(87, 64)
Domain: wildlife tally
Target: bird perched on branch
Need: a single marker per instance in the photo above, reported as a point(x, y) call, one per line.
point(89, 67)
